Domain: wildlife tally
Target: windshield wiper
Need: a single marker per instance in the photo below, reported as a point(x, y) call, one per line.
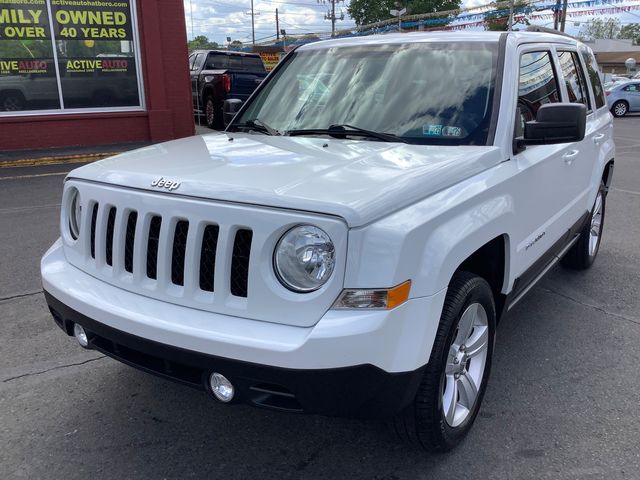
point(259, 126)
point(341, 130)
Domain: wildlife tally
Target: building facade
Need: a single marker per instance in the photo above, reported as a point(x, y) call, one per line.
point(92, 72)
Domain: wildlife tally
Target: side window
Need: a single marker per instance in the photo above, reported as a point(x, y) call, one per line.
point(574, 78)
point(197, 64)
point(594, 76)
point(631, 88)
point(538, 84)
point(191, 60)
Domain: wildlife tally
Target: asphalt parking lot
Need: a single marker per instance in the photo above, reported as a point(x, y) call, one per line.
point(563, 401)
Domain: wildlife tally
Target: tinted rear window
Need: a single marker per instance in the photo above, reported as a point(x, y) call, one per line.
point(253, 64)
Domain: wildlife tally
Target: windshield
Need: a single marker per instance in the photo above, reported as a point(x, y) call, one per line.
point(425, 93)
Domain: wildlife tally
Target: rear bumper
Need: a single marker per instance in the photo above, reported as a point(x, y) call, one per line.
point(356, 391)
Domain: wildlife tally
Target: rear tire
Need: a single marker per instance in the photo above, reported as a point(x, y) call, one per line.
point(455, 379)
point(582, 255)
point(620, 109)
point(212, 114)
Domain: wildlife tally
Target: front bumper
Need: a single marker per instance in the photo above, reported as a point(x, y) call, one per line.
point(365, 363)
point(358, 391)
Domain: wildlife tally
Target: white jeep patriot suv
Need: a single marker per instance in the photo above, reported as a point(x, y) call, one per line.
point(349, 243)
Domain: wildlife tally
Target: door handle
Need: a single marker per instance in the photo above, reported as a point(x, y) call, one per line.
point(569, 157)
point(597, 139)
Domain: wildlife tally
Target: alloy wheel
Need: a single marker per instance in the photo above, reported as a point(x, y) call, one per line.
point(596, 226)
point(465, 366)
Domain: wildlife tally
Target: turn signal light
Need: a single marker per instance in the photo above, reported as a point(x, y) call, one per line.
point(384, 299)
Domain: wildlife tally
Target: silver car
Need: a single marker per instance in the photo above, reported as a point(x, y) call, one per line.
point(624, 97)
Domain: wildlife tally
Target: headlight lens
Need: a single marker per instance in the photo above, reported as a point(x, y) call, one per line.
point(75, 214)
point(304, 258)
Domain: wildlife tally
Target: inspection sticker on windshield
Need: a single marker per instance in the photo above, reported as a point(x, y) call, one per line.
point(451, 132)
point(432, 130)
point(441, 131)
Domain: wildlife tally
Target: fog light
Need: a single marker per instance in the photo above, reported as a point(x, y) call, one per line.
point(81, 336)
point(221, 387)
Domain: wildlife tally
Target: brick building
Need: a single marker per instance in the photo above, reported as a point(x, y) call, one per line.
point(92, 73)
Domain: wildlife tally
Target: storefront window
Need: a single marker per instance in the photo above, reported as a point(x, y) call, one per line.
point(94, 45)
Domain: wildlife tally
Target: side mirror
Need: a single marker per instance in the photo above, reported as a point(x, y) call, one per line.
point(230, 108)
point(556, 123)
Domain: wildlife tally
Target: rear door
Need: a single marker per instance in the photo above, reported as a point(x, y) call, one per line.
point(600, 124)
point(582, 166)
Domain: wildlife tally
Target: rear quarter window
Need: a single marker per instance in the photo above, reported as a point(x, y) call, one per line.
point(594, 76)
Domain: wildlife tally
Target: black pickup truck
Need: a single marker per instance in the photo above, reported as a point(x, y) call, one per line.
point(220, 75)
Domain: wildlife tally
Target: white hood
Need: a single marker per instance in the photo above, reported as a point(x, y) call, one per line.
point(359, 181)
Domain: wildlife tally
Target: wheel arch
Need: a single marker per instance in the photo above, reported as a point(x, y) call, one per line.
point(490, 263)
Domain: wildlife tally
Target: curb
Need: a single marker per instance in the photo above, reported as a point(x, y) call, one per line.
point(57, 160)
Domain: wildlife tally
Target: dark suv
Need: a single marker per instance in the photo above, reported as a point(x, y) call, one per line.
point(220, 75)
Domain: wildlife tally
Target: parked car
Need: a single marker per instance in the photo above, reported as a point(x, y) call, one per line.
point(354, 256)
point(218, 75)
point(624, 98)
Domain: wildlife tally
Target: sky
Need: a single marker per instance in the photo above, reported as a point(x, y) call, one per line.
point(219, 19)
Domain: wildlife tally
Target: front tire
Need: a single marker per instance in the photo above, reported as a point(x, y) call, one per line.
point(455, 379)
point(582, 255)
point(620, 109)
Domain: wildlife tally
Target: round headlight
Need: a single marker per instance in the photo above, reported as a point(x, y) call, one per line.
point(75, 214)
point(304, 258)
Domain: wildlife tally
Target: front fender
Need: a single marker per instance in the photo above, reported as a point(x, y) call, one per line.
point(428, 241)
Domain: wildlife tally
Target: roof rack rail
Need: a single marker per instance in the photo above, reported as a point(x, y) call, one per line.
point(536, 28)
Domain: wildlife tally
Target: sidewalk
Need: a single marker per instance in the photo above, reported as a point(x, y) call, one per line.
point(77, 154)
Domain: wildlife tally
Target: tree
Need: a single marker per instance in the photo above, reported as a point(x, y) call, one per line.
point(364, 12)
point(601, 28)
point(235, 45)
point(498, 20)
point(201, 42)
point(631, 31)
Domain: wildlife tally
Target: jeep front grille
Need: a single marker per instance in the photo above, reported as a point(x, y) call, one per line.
point(179, 234)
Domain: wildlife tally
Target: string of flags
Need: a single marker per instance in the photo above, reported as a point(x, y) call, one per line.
point(477, 17)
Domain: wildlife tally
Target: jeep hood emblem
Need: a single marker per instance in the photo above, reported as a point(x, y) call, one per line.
point(168, 184)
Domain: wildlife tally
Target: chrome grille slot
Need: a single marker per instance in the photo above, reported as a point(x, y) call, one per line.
point(179, 251)
point(152, 247)
point(111, 220)
point(240, 263)
point(208, 257)
point(130, 237)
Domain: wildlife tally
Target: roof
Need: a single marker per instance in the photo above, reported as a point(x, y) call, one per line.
point(441, 36)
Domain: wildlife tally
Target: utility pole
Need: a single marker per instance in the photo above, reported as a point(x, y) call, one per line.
point(510, 27)
point(277, 26)
point(253, 23)
point(331, 14)
point(556, 15)
point(563, 18)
